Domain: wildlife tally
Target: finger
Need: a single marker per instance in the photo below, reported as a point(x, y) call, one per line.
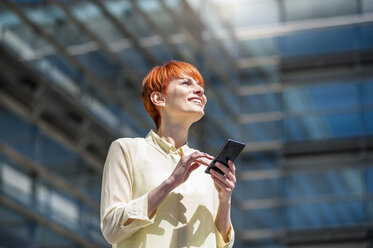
point(191, 157)
point(232, 167)
point(220, 184)
point(223, 179)
point(209, 156)
point(232, 171)
point(203, 161)
point(197, 155)
point(192, 168)
point(222, 167)
point(227, 171)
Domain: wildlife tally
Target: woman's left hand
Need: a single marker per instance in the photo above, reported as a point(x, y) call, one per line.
point(224, 183)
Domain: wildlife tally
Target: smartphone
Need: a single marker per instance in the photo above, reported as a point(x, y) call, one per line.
point(229, 151)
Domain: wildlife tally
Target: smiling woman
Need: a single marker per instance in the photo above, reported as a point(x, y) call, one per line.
point(155, 192)
point(184, 103)
point(159, 78)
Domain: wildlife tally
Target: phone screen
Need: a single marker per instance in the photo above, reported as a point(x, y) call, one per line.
point(229, 151)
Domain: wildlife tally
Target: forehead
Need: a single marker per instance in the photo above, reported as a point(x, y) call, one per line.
point(181, 75)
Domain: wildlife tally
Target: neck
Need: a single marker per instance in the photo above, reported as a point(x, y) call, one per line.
point(176, 133)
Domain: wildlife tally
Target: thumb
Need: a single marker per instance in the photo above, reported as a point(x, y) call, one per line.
point(192, 168)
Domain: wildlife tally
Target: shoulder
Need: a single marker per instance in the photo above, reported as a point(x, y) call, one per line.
point(126, 148)
point(128, 143)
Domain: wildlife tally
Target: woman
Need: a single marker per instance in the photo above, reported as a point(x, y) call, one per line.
point(155, 192)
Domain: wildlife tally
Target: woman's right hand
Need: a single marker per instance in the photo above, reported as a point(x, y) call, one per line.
point(187, 164)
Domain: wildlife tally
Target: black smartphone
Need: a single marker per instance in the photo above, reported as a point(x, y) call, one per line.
point(229, 151)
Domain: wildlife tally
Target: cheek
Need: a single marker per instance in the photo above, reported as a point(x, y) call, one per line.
point(177, 101)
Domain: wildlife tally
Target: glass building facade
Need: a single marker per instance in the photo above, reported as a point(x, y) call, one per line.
point(291, 78)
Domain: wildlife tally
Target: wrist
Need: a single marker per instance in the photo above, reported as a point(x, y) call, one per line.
point(225, 201)
point(170, 183)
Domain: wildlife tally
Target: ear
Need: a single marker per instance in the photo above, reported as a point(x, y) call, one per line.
point(158, 99)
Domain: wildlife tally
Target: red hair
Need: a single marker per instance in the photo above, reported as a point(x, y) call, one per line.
point(159, 78)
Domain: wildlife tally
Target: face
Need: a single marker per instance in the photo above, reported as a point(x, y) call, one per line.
point(185, 97)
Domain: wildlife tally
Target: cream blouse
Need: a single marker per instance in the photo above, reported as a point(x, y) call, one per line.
point(134, 167)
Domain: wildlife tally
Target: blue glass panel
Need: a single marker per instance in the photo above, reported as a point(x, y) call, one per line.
point(367, 35)
point(368, 92)
point(260, 47)
point(13, 129)
point(344, 125)
point(264, 160)
point(190, 55)
point(92, 17)
point(256, 12)
point(368, 123)
point(16, 183)
point(53, 21)
point(327, 127)
point(322, 96)
point(162, 52)
point(369, 180)
point(264, 218)
point(101, 65)
point(157, 14)
point(264, 131)
point(40, 148)
point(261, 103)
point(367, 5)
point(263, 243)
point(304, 9)
point(220, 116)
point(20, 38)
point(262, 189)
point(54, 65)
point(126, 14)
point(326, 183)
point(135, 60)
point(255, 77)
point(295, 130)
point(326, 214)
point(215, 53)
point(212, 140)
point(320, 41)
point(236, 216)
point(333, 95)
point(369, 208)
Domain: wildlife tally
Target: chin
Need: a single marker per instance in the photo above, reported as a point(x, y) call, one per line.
point(198, 115)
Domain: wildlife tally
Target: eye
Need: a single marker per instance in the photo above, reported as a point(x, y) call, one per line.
point(186, 82)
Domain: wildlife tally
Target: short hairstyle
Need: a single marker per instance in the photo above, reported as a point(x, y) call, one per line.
point(159, 78)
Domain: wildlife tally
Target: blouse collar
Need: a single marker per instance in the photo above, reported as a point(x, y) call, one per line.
point(163, 146)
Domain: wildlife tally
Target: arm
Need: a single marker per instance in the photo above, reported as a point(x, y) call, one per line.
point(117, 203)
point(224, 185)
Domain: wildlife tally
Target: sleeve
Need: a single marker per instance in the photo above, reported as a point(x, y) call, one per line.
point(220, 243)
point(117, 205)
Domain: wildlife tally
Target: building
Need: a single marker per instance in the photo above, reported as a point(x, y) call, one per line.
point(291, 78)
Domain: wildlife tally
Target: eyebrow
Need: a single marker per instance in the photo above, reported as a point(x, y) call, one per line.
point(190, 79)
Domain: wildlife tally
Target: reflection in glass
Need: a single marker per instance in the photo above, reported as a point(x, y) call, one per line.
point(318, 215)
point(304, 9)
point(341, 182)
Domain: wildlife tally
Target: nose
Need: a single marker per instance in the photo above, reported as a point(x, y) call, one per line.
point(199, 90)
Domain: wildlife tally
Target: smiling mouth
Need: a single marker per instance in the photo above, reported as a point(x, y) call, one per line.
point(196, 100)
